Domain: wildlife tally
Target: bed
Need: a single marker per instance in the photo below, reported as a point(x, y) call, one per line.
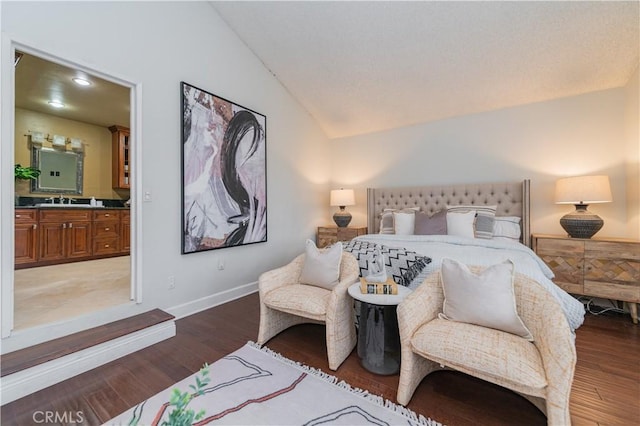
point(510, 200)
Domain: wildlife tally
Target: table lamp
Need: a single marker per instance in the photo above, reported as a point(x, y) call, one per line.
point(341, 198)
point(582, 191)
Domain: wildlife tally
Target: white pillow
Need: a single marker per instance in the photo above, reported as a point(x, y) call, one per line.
point(386, 219)
point(483, 226)
point(321, 266)
point(507, 227)
point(403, 223)
point(486, 299)
point(461, 224)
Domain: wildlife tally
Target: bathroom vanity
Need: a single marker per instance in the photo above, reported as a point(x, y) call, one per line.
point(57, 234)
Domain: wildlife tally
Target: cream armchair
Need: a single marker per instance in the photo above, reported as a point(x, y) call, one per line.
point(285, 302)
point(541, 371)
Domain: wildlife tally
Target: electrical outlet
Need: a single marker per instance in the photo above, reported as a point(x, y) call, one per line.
point(147, 196)
point(220, 264)
point(172, 282)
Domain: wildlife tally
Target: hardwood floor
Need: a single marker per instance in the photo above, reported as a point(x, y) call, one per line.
point(606, 387)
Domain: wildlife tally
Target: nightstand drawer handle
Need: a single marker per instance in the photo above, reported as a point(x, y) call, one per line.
point(106, 229)
point(106, 246)
point(106, 215)
point(17, 216)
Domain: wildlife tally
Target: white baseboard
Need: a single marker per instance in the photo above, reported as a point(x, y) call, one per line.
point(22, 383)
point(198, 305)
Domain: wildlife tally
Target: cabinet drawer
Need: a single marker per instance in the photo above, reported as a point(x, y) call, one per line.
point(105, 245)
point(106, 215)
point(612, 270)
point(627, 292)
point(106, 229)
point(345, 234)
point(556, 247)
point(64, 215)
point(612, 250)
point(26, 215)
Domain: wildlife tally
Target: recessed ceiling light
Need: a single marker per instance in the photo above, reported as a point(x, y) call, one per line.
point(81, 81)
point(56, 104)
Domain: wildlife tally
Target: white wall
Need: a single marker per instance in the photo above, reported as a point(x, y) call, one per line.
point(159, 45)
point(542, 141)
point(632, 124)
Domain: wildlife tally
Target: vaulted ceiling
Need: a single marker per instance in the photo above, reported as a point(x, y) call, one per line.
point(361, 67)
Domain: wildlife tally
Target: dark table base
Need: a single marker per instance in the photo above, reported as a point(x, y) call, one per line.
point(379, 339)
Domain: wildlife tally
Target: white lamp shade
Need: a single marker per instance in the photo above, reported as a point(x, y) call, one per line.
point(76, 144)
point(59, 140)
point(342, 197)
point(583, 190)
point(37, 137)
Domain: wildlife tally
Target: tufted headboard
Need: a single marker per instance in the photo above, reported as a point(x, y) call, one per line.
point(512, 199)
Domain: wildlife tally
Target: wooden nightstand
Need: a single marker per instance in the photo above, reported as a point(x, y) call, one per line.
point(600, 267)
point(328, 235)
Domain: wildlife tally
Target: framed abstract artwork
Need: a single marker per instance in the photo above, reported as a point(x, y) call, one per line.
point(224, 172)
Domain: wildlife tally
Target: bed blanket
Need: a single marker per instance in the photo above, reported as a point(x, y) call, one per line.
point(402, 265)
point(483, 252)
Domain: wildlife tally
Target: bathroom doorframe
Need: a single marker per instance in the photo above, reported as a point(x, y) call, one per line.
point(7, 185)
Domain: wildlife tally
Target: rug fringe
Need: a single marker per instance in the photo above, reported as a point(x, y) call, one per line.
point(376, 399)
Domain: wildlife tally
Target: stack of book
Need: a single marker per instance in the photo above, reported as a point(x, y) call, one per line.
point(388, 287)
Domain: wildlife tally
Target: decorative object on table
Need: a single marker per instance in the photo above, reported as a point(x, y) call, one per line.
point(387, 287)
point(582, 191)
point(377, 271)
point(342, 198)
point(224, 192)
point(258, 386)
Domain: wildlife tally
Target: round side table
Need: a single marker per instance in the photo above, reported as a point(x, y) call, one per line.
point(378, 334)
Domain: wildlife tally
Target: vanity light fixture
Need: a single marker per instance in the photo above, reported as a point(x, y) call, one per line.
point(59, 140)
point(76, 144)
point(56, 104)
point(81, 81)
point(37, 138)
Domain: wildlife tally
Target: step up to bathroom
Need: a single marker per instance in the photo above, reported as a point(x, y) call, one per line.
point(30, 369)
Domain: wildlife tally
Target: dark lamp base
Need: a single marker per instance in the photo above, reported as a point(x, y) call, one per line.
point(342, 218)
point(581, 223)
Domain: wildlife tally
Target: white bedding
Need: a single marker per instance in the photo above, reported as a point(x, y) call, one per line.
point(482, 252)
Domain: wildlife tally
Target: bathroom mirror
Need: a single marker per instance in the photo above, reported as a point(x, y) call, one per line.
point(61, 171)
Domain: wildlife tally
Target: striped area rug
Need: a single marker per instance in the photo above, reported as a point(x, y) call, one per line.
point(256, 386)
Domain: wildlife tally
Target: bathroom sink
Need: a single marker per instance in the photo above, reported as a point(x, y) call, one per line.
point(84, 206)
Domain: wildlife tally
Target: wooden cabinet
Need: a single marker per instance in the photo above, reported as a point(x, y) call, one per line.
point(125, 231)
point(64, 234)
point(26, 236)
point(120, 158)
point(328, 235)
point(106, 232)
point(607, 268)
point(49, 236)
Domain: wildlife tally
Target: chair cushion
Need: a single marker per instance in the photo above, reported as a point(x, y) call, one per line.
point(485, 298)
point(321, 266)
point(501, 358)
point(299, 299)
